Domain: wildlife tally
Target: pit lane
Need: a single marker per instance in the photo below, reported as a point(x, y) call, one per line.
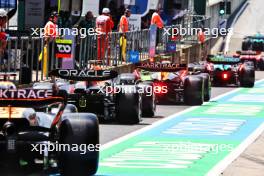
point(110, 132)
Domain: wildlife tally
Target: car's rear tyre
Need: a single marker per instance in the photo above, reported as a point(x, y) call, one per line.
point(148, 99)
point(257, 46)
point(193, 90)
point(79, 129)
point(128, 107)
point(207, 86)
point(245, 45)
point(247, 77)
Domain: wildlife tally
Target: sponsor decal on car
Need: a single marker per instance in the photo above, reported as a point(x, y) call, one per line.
point(220, 59)
point(84, 73)
point(25, 94)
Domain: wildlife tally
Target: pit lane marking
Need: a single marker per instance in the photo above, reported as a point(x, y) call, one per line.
point(234, 109)
point(248, 98)
point(206, 126)
point(161, 155)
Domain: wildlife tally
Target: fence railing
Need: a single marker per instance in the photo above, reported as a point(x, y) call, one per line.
point(105, 50)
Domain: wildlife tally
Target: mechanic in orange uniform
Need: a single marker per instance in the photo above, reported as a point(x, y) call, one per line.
point(123, 28)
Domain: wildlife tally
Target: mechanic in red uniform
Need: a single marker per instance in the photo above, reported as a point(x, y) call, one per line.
point(104, 25)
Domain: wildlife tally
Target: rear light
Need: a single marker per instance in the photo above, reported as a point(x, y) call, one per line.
point(225, 76)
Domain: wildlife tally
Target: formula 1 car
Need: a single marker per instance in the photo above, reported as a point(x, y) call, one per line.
point(254, 43)
point(175, 83)
point(225, 70)
point(106, 94)
point(31, 134)
point(251, 56)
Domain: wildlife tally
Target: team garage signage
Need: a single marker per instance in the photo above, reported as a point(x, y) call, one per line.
point(63, 49)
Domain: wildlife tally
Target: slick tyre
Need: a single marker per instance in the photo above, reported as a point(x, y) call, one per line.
point(79, 129)
point(245, 45)
point(207, 86)
point(128, 107)
point(148, 99)
point(247, 77)
point(193, 90)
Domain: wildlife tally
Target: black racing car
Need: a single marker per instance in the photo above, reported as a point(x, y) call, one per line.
point(37, 127)
point(108, 95)
point(228, 70)
point(175, 83)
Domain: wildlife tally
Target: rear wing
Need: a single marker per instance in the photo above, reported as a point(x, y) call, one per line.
point(6, 76)
point(31, 98)
point(160, 67)
point(248, 55)
point(220, 59)
point(260, 38)
point(84, 75)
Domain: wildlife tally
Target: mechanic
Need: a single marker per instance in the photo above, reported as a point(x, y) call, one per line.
point(104, 25)
point(51, 28)
point(50, 34)
point(123, 28)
